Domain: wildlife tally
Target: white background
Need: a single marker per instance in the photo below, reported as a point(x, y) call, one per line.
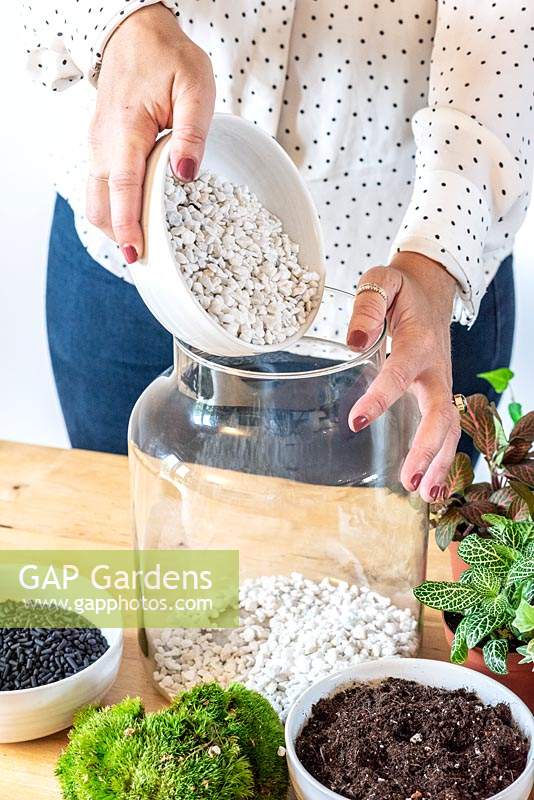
point(29, 409)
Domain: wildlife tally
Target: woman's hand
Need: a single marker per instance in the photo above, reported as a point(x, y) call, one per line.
point(152, 78)
point(420, 294)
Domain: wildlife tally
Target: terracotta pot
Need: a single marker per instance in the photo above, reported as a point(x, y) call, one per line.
point(457, 565)
point(520, 678)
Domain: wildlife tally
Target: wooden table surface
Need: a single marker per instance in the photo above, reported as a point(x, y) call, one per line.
point(62, 499)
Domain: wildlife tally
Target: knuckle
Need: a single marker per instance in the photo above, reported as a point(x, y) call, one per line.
point(374, 275)
point(400, 377)
point(455, 432)
point(123, 226)
point(123, 180)
point(445, 414)
point(426, 454)
point(190, 133)
point(369, 312)
point(97, 216)
point(380, 402)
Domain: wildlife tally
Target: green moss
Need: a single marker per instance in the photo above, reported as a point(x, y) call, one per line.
point(210, 744)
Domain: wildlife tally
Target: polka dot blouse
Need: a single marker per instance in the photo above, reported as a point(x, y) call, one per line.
point(410, 120)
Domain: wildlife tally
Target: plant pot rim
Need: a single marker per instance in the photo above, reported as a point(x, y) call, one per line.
point(426, 671)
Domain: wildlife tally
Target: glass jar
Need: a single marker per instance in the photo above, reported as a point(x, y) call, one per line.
point(256, 455)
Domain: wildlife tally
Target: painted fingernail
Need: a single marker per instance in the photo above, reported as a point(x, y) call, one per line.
point(358, 423)
point(357, 339)
point(186, 168)
point(434, 493)
point(416, 480)
point(130, 253)
point(444, 493)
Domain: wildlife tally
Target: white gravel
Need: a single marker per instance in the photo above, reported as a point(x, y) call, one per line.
point(236, 259)
point(294, 631)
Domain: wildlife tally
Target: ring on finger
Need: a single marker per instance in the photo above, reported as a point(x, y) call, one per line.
point(460, 402)
point(372, 287)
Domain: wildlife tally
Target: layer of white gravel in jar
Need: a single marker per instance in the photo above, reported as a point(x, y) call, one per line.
point(294, 631)
point(236, 259)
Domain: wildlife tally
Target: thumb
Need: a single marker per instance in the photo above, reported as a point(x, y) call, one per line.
point(193, 110)
point(375, 294)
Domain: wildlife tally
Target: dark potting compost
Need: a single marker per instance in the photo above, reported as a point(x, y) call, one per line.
point(398, 739)
point(36, 656)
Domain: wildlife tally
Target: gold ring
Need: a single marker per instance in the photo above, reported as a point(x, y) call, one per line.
point(372, 287)
point(460, 402)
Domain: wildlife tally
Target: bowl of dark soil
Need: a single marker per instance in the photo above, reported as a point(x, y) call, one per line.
point(47, 674)
point(410, 729)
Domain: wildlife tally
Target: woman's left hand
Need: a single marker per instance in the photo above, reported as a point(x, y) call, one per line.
point(420, 294)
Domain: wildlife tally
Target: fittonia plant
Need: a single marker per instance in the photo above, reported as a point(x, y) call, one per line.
point(494, 596)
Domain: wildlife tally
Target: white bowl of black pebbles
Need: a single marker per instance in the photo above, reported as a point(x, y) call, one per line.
point(49, 673)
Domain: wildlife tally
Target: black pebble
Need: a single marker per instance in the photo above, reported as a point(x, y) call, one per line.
point(32, 657)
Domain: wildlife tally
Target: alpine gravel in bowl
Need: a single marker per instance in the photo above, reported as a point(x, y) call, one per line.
point(410, 729)
point(233, 262)
point(62, 687)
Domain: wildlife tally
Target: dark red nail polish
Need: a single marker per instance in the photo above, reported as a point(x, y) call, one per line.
point(416, 480)
point(130, 253)
point(186, 169)
point(358, 423)
point(358, 339)
point(444, 493)
point(434, 493)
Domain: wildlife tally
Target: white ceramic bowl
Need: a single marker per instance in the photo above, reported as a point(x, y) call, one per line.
point(242, 153)
point(431, 673)
point(32, 713)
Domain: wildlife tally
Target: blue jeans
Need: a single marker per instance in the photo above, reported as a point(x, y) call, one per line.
point(106, 347)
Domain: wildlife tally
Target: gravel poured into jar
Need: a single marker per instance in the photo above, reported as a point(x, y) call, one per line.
point(240, 265)
point(294, 631)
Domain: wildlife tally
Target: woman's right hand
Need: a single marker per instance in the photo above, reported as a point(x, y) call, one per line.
point(153, 77)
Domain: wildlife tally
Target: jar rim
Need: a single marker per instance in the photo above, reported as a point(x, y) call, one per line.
point(353, 359)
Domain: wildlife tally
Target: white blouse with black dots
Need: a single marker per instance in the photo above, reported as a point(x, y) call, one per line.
point(411, 120)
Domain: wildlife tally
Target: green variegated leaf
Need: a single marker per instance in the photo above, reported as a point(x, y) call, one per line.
point(485, 581)
point(521, 570)
point(524, 531)
point(526, 650)
point(446, 528)
point(459, 646)
point(524, 618)
point(486, 553)
point(484, 620)
point(509, 533)
point(495, 653)
point(466, 577)
point(496, 522)
point(527, 591)
point(447, 596)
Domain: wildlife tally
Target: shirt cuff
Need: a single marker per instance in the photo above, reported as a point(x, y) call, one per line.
point(87, 52)
point(447, 220)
